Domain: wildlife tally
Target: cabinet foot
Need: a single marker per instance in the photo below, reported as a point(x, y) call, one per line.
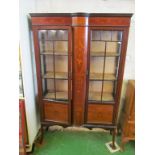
point(113, 139)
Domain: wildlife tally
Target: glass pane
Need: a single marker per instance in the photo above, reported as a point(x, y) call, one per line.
point(61, 67)
point(113, 48)
point(48, 88)
point(53, 46)
point(105, 50)
point(46, 46)
point(96, 67)
point(97, 46)
point(116, 36)
point(108, 88)
point(95, 35)
point(47, 67)
point(95, 89)
point(43, 34)
point(106, 35)
point(61, 35)
point(53, 34)
point(111, 68)
point(45, 43)
point(53, 41)
point(61, 47)
point(62, 89)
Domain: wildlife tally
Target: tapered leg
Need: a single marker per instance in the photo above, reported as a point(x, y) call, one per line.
point(113, 139)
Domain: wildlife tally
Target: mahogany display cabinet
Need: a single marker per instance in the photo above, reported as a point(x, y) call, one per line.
point(80, 61)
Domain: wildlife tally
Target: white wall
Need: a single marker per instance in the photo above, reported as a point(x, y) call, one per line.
point(62, 6)
point(85, 6)
point(27, 6)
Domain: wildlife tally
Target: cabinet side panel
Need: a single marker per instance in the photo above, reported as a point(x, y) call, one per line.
point(38, 71)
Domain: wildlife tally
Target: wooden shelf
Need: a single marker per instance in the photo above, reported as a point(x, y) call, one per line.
point(107, 97)
point(58, 75)
point(117, 41)
point(96, 96)
point(65, 53)
point(52, 40)
point(59, 96)
point(61, 53)
point(99, 76)
point(102, 54)
point(109, 77)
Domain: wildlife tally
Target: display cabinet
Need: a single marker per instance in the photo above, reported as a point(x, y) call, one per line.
point(80, 62)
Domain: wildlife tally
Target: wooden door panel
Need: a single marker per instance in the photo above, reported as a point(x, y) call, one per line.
point(57, 112)
point(100, 113)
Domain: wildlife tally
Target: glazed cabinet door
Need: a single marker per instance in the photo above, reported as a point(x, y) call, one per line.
point(105, 47)
point(54, 72)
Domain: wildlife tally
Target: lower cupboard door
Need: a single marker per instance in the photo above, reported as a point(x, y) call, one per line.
point(99, 114)
point(58, 113)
